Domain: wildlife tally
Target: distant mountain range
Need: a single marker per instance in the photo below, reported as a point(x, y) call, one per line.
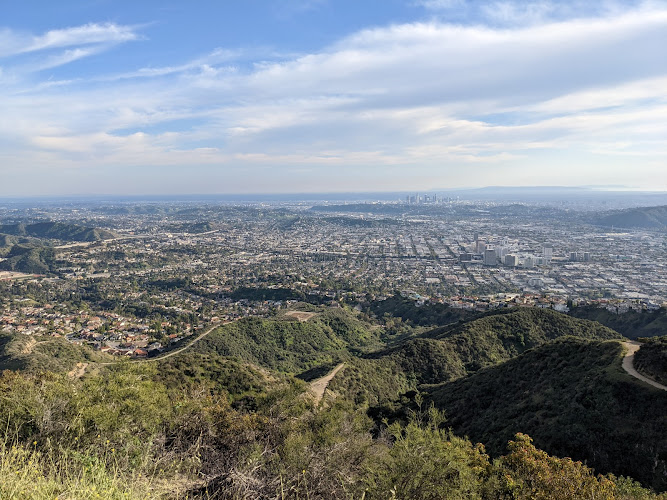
point(56, 230)
point(637, 218)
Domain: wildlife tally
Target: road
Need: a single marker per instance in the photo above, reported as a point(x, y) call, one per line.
point(177, 351)
point(180, 350)
point(632, 347)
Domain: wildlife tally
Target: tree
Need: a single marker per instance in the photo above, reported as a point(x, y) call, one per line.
point(529, 473)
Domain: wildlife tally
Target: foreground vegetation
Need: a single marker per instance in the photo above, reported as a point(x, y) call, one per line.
point(124, 434)
point(232, 416)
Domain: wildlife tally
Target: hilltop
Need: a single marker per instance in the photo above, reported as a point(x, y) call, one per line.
point(288, 345)
point(637, 218)
point(57, 231)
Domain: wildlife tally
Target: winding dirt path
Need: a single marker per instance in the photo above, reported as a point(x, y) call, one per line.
point(318, 386)
point(632, 347)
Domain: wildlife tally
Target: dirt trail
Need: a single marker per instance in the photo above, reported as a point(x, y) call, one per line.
point(632, 347)
point(78, 371)
point(318, 386)
point(29, 346)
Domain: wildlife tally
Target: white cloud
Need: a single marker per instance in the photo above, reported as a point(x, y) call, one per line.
point(13, 43)
point(82, 35)
point(430, 96)
point(28, 54)
point(439, 4)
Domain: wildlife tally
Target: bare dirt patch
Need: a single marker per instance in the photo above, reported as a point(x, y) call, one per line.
point(301, 315)
point(78, 371)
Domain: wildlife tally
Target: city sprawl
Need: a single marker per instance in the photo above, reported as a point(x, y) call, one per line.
point(169, 269)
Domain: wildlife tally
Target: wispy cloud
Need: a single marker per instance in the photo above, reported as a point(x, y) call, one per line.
point(532, 12)
point(428, 96)
point(59, 47)
point(82, 35)
point(14, 43)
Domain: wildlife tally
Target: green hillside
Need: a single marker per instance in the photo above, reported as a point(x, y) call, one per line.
point(126, 433)
point(36, 353)
point(574, 399)
point(631, 324)
point(228, 419)
point(501, 336)
point(290, 345)
point(643, 218)
point(57, 230)
point(651, 359)
point(7, 240)
point(454, 351)
point(29, 258)
point(190, 370)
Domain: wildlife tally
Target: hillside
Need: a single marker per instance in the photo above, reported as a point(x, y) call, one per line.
point(35, 354)
point(452, 352)
point(29, 258)
point(425, 315)
point(190, 370)
point(57, 231)
point(132, 432)
point(574, 399)
point(637, 218)
point(227, 418)
point(289, 345)
point(630, 324)
point(651, 359)
point(7, 240)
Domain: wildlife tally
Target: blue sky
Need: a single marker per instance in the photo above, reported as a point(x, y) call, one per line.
point(165, 97)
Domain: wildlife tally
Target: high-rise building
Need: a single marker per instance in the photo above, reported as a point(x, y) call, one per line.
point(587, 256)
point(548, 253)
point(490, 258)
point(574, 256)
point(511, 260)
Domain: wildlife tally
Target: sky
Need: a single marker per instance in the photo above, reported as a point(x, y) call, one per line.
point(292, 96)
